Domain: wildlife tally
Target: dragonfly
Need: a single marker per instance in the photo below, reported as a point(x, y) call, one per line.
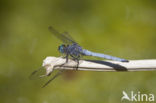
point(70, 48)
point(74, 50)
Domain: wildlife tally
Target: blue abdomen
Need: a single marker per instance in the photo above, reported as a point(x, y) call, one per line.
point(89, 53)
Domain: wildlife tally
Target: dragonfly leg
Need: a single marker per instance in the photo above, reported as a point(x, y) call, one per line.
point(77, 60)
point(77, 64)
point(67, 58)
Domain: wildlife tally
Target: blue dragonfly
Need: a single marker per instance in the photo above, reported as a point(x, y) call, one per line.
point(75, 51)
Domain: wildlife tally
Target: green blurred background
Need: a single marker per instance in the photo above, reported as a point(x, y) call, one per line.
point(126, 29)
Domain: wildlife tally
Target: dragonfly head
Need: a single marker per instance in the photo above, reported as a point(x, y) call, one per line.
point(62, 48)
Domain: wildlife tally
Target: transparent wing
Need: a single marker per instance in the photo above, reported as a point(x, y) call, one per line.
point(62, 36)
point(56, 75)
point(37, 73)
point(69, 36)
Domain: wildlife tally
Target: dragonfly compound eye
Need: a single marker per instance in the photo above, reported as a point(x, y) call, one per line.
point(61, 48)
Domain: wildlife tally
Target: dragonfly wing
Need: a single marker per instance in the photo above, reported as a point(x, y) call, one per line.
point(69, 36)
point(56, 75)
point(37, 73)
point(63, 37)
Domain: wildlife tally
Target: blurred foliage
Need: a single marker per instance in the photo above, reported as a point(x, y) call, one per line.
point(126, 29)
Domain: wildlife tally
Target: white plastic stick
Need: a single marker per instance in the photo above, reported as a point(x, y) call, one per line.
point(51, 63)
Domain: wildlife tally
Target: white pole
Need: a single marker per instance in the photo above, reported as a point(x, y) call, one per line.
point(51, 63)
